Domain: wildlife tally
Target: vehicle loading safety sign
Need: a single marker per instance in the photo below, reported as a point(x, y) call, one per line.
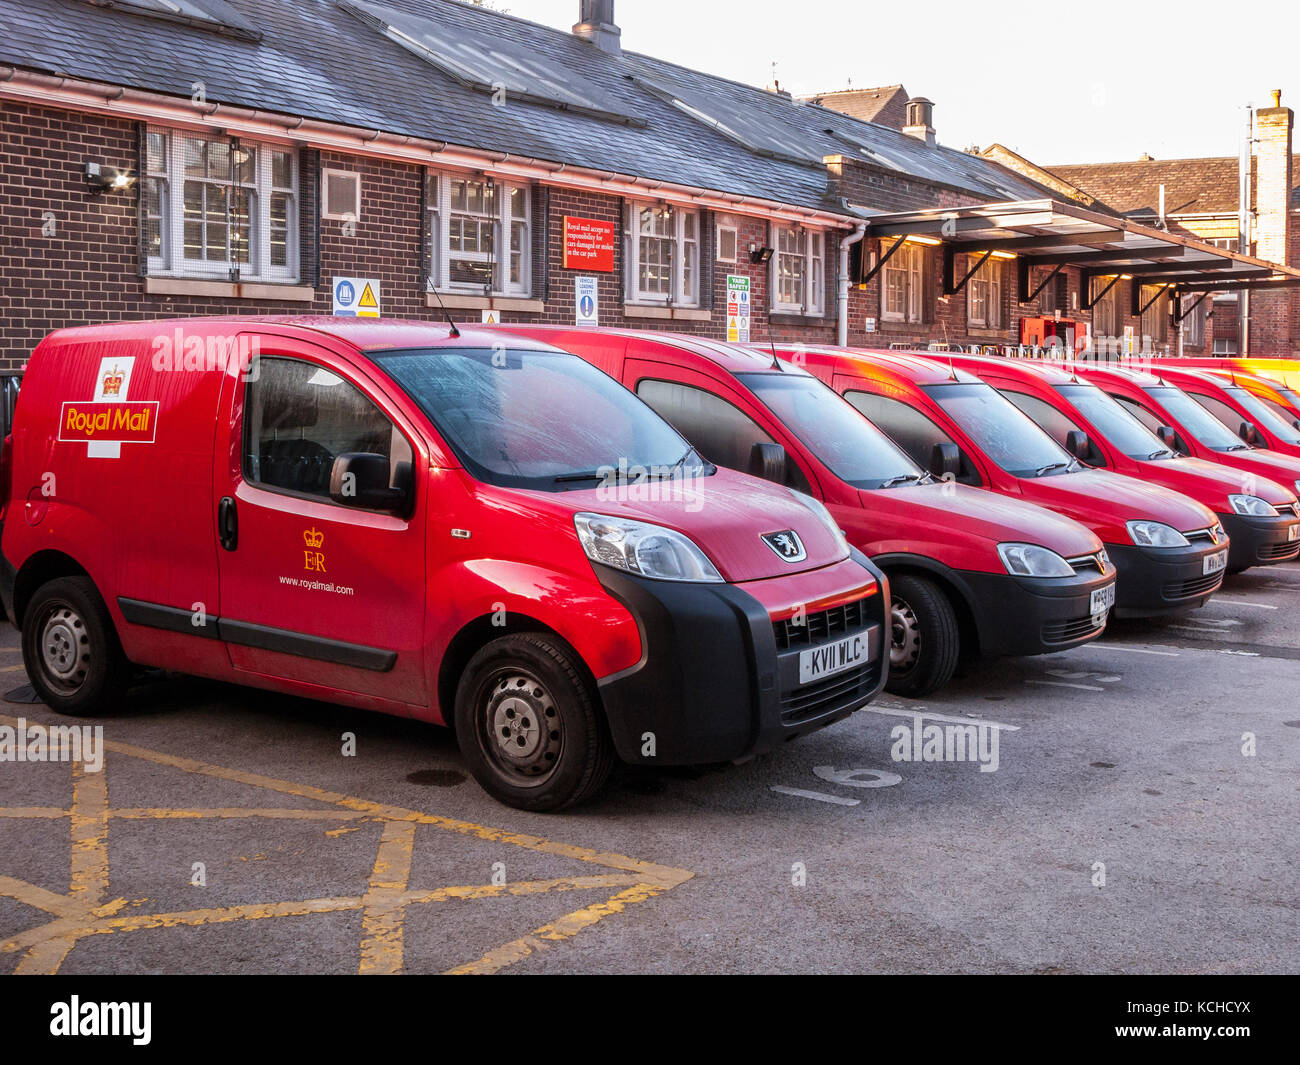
point(356, 297)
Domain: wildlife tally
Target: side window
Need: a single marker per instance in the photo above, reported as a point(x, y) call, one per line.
point(1223, 412)
point(718, 430)
point(911, 430)
point(299, 417)
point(1055, 424)
point(1150, 421)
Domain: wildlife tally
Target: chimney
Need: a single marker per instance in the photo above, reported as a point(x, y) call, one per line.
point(1273, 126)
point(920, 119)
point(596, 24)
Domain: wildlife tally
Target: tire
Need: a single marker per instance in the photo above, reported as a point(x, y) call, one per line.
point(510, 688)
point(925, 640)
point(71, 652)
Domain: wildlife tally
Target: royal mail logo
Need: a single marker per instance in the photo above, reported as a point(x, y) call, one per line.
point(107, 422)
point(112, 382)
point(313, 537)
point(313, 559)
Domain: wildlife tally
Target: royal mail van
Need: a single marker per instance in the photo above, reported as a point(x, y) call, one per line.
point(1171, 552)
point(970, 573)
point(1245, 413)
point(427, 522)
point(1260, 515)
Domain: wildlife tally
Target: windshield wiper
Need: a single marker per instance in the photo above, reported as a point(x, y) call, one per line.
point(904, 478)
point(1050, 467)
point(572, 478)
point(1162, 453)
point(1239, 447)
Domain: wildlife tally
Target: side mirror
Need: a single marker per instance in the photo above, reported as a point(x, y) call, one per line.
point(1168, 437)
point(768, 462)
point(361, 479)
point(945, 461)
point(1295, 423)
point(1076, 443)
point(1249, 433)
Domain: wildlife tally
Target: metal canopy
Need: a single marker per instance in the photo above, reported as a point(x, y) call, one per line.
point(1052, 234)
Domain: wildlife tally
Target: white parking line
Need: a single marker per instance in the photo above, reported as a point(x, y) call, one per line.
point(800, 793)
point(1063, 684)
point(1243, 654)
point(1132, 650)
point(1223, 600)
point(890, 711)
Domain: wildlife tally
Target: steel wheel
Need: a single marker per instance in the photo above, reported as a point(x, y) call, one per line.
point(522, 732)
point(905, 636)
point(64, 648)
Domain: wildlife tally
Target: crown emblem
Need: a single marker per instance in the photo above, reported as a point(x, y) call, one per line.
point(113, 382)
point(313, 537)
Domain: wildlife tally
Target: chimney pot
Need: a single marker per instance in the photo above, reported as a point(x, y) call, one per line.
point(1277, 97)
point(920, 119)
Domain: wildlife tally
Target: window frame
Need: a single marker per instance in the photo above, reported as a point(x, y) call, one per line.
point(355, 214)
point(812, 266)
point(908, 262)
point(438, 218)
point(985, 286)
point(684, 259)
point(263, 193)
point(735, 243)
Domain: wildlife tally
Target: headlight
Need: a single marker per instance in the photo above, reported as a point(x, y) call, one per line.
point(638, 547)
point(1155, 534)
point(1253, 505)
point(818, 508)
point(1030, 560)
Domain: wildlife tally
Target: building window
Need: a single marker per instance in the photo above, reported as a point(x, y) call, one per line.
point(215, 207)
point(1225, 346)
point(728, 243)
point(341, 198)
point(984, 296)
point(799, 270)
point(903, 286)
point(1103, 311)
point(1155, 319)
point(1193, 323)
point(479, 234)
point(663, 252)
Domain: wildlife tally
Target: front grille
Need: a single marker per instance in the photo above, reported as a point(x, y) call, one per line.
point(1276, 552)
point(837, 621)
point(1086, 564)
point(842, 691)
point(1066, 631)
point(1288, 508)
point(1197, 586)
point(1197, 535)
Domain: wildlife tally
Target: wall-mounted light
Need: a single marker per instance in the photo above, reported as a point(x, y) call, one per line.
point(103, 179)
point(759, 253)
point(1001, 255)
point(929, 242)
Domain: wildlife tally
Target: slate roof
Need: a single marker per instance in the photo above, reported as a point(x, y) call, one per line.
point(1192, 186)
point(885, 105)
point(318, 59)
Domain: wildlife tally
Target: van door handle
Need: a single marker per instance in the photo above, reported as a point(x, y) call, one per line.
point(228, 523)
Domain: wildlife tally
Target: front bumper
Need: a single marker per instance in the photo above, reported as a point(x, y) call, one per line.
point(1164, 580)
point(718, 679)
point(1034, 615)
point(1261, 541)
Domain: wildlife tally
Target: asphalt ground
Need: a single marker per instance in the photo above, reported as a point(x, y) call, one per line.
point(1141, 818)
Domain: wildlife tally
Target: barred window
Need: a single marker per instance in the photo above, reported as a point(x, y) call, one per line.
point(664, 255)
point(480, 234)
point(799, 268)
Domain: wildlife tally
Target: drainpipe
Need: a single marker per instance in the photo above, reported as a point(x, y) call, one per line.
point(842, 297)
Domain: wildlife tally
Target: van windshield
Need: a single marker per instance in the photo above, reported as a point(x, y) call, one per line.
point(545, 420)
point(1198, 421)
point(1005, 434)
point(851, 447)
point(1125, 433)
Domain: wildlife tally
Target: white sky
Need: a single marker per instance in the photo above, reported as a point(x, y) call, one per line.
point(1089, 81)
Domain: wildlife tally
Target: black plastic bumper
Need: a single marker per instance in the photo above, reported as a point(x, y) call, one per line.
point(1034, 615)
point(712, 685)
point(1164, 580)
point(1260, 541)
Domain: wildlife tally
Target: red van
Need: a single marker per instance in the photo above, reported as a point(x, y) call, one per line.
point(968, 572)
point(422, 521)
point(1282, 401)
point(1260, 516)
point(1170, 551)
point(1182, 423)
point(1236, 407)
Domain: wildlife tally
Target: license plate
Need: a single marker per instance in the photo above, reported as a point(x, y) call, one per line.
point(1214, 563)
point(1293, 533)
point(1102, 600)
point(817, 663)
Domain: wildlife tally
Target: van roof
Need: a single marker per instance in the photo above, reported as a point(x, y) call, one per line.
point(734, 358)
point(365, 334)
point(1140, 378)
point(903, 366)
point(1052, 373)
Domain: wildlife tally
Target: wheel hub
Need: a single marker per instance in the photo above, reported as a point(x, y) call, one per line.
point(905, 636)
point(63, 646)
point(524, 726)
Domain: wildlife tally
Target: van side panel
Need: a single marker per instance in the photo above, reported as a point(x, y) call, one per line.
point(115, 446)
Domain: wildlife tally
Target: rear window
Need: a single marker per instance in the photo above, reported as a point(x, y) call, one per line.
point(536, 419)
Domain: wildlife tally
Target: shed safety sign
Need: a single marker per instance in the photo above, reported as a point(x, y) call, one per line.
point(356, 297)
point(737, 309)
